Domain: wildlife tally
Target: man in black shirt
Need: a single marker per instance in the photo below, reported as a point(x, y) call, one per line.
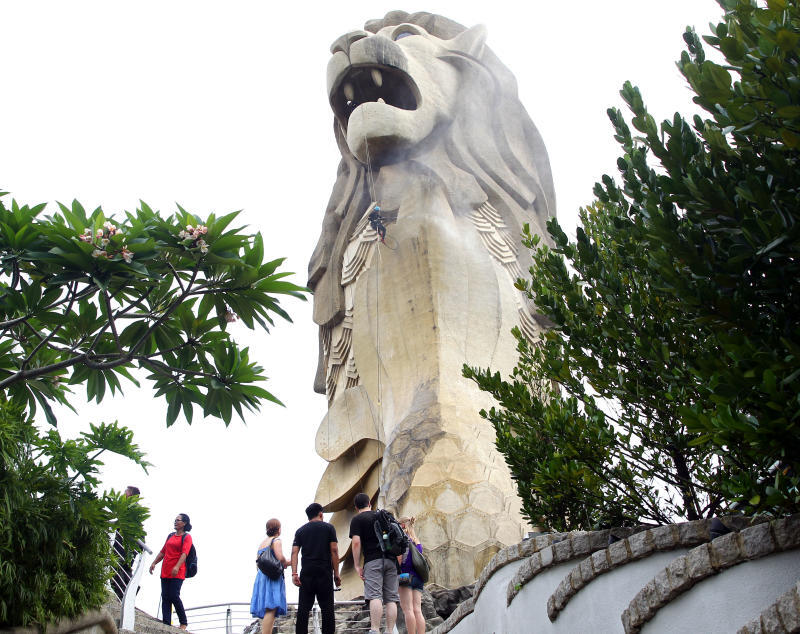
point(317, 540)
point(379, 571)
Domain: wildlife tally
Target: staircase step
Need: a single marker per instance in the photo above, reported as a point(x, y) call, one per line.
point(143, 623)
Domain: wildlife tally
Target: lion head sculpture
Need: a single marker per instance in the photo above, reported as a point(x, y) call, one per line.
point(429, 126)
point(397, 88)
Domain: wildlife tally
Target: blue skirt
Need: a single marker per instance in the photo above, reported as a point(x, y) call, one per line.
point(267, 595)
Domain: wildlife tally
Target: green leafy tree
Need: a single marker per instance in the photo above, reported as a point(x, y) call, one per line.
point(721, 213)
point(54, 527)
point(87, 301)
point(668, 386)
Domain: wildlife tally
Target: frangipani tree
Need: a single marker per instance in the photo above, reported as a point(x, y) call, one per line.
point(85, 300)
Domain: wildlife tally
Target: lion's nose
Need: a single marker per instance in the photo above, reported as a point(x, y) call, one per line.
point(344, 42)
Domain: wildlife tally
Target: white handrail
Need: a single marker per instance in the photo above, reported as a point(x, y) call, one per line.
point(127, 616)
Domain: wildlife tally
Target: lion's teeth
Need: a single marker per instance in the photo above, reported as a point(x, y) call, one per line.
point(349, 93)
point(377, 77)
point(380, 100)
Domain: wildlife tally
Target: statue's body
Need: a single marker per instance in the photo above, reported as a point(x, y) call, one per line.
point(456, 167)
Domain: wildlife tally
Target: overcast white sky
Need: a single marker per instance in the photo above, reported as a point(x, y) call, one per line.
point(222, 106)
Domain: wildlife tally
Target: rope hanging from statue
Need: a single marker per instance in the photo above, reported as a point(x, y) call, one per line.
point(376, 221)
point(374, 217)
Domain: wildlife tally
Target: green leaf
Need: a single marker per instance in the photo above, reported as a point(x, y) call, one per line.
point(732, 48)
point(788, 112)
point(787, 40)
point(790, 139)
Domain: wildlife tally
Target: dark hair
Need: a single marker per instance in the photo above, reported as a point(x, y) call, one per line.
point(273, 526)
point(187, 525)
point(361, 501)
point(313, 509)
point(134, 490)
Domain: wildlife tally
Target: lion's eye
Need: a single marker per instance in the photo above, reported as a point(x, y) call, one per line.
point(404, 30)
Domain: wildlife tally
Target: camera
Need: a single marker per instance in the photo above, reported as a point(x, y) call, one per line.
point(404, 578)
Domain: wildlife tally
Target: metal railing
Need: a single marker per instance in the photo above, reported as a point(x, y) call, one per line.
point(219, 617)
point(127, 584)
point(235, 618)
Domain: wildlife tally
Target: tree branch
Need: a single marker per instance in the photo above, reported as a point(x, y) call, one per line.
point(138, 302)
point(24, 375)
point(14, 276)
point(111, 320)
point(167, 312)
point(175, 274)
point(168, 369)
point(33, 330)
point(130, 357)
point(44, 341)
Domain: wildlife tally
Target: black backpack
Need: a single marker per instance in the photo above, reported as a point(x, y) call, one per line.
point(391, 537)
point(191, 558)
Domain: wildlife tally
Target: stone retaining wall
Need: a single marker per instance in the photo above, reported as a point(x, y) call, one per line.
point(669, 561)
point(781, 616)
point(709, 559)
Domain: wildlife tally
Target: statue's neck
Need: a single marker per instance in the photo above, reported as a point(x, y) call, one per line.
point(433, 169)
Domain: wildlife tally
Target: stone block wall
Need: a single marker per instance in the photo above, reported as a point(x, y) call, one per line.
point(676, 578)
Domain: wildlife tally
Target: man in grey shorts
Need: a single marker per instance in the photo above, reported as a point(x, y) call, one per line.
point(379, 572)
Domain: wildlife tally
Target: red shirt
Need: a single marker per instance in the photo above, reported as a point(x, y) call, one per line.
point(172, 552)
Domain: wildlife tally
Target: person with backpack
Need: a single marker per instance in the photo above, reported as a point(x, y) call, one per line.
point(173, 571)
point(374, 539)
point(269, 595)
point(410, 582)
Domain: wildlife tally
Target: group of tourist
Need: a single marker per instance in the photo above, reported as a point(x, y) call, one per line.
point(316, 546)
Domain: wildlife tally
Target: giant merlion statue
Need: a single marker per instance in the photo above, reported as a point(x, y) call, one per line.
point(433, 135)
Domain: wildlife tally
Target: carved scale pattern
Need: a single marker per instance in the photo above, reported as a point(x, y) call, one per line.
point(498, 241)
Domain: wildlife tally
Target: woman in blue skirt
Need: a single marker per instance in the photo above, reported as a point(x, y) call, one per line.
point(269, 596)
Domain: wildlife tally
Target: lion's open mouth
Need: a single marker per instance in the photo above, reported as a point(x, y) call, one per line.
point(363, 84)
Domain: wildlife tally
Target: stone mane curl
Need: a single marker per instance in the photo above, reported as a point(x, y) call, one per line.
point(493, 143)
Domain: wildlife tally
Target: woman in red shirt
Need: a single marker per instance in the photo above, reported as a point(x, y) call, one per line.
point(173, 570)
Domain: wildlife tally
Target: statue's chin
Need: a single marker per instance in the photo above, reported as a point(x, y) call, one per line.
point(377, 133)
point(378, 150)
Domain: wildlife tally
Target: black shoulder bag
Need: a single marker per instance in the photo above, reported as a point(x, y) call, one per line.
point(268, 563)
